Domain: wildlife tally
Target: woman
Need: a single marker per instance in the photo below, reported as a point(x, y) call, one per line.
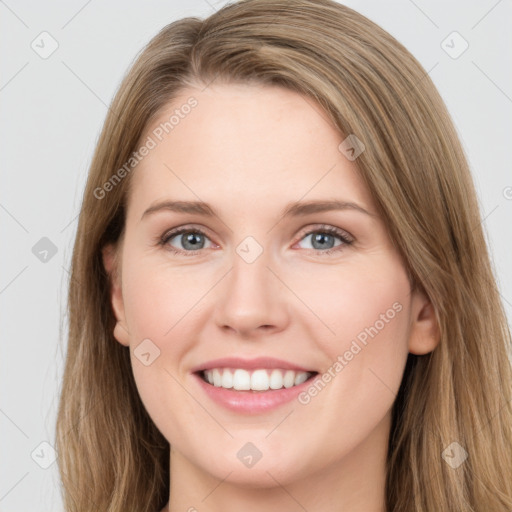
point(215, 362)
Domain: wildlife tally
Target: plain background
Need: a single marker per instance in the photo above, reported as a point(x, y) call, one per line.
point(52, 113)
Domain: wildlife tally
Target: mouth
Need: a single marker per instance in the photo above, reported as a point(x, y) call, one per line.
point(252, 386)
point(259, 380)
point(255, 391)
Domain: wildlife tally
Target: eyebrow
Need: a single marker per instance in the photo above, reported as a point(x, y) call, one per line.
point(295, 209)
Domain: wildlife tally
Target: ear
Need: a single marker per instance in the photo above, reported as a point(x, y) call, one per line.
point(111, 264)
point(424, 332)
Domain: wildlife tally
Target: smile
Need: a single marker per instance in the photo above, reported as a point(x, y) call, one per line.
point(251, 386)
point(260, 379)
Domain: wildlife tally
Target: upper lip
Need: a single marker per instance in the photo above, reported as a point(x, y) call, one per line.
point(250, 364)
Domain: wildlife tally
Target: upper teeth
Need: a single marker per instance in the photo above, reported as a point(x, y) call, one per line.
point(257, 380)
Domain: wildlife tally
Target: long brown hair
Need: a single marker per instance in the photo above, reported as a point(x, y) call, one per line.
point(111, 455)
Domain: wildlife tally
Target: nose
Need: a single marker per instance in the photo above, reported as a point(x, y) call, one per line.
point(252, 300)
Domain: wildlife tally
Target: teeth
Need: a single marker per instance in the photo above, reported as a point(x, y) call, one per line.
point(227, 380)
point(289, 379)
point(241, 380)
point(257, 380)
point(300, 378)
point(217, 378)
point(276, 379)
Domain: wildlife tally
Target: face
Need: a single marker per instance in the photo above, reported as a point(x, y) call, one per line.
point(261, 298)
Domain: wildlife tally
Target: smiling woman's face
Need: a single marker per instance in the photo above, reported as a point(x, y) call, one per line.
point(249, 282)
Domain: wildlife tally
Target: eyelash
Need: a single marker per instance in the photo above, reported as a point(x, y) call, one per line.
point(324, 229)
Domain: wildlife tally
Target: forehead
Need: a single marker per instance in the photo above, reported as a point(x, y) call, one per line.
point(253, 144)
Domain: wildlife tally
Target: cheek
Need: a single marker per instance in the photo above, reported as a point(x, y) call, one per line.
point(162, 308)
point(363, 301)
point(364, 362)
point(367, 313)
point(157, 298)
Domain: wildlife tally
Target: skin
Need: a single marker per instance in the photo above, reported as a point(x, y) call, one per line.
point(248, 151)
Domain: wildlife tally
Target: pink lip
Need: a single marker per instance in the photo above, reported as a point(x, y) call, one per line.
point(250, 364)
point(251, 402)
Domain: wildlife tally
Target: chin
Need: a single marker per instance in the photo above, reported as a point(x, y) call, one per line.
point(270, 470)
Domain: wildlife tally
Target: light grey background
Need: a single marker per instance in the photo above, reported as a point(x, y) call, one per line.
point(52, 113)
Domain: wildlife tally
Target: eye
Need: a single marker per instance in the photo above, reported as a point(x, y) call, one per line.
point(192, 240)
point(324, 237)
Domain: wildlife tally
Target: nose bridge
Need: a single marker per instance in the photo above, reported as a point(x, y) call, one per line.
point(250, 280)
point(250, 269)
point(252, 295)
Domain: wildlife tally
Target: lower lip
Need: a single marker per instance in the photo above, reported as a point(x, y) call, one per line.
point(252, 402)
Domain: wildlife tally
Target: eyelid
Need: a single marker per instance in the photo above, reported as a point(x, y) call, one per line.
point(325, 227)
point(185, 227)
